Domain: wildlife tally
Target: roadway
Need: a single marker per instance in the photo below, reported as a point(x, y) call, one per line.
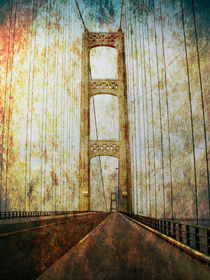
point(120, 249)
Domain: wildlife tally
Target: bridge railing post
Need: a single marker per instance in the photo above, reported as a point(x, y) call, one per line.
point(153, 223)
point(180, 233)
point(161, 226)
point(164, 227)
point(156, 224)
point(197, 238)
point(174, 230)
point(188, 235)
point(169, 229)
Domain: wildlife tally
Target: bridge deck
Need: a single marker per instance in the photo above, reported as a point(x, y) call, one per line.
point(120, 249)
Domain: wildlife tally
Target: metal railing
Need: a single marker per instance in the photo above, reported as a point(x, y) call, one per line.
point(34, 214)
point(194, 236)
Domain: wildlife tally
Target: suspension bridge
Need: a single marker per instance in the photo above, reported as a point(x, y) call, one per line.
point(104, 139)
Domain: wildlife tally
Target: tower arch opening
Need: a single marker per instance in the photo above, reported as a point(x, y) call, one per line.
point(104, 117)
point(103, 180)
point(103, 63)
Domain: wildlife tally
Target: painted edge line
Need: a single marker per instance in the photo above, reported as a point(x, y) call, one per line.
point(193, 253)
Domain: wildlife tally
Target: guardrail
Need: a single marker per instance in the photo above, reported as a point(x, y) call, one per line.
point(194, 236)
point(34, 214)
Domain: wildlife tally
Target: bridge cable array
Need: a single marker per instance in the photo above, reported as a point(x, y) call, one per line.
point(146, 92)
point(44, 107)
point(10, 95)
point(143, 55)
point(4, 108)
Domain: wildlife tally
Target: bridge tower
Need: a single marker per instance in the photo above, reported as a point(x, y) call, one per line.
point(89, 148)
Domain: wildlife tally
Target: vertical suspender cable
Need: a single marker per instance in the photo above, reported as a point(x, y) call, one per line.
point(53, 134)
point(47, 89)
point(64, 121)
point(9, 113)
point(74, 105)
point(100, 166)
point(59, 111)
point(147, 122)
point(70, 113)
point(32, 99)
point(167, 108)
point(56, 105)
point(64, 171)
point(134, 110)
point(43, 119)
point(68, 110)
point(142, 111)
point(129, 59)
point(147, 115)
point(28, 102)
point(160, 112)
point(99, 158)
point(202, 100)
point(74, 113)
point(143, 105)
point(63, 112)
point(135, 103)
point(191, 113)
point(4, 112)
point(46, 93)
point(152, 113)
point(137, 27)
point(62, 116)
point(129, 90)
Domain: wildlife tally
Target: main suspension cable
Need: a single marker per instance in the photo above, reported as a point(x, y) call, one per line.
point(121, 16)
point(80, 15)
